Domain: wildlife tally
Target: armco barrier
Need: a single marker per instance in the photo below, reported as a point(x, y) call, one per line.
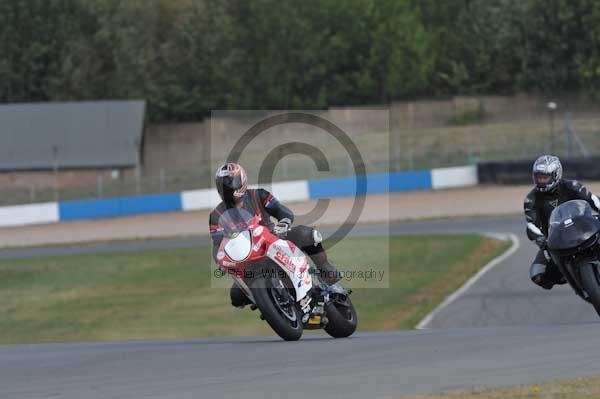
point(292, 191)
point(519, 172)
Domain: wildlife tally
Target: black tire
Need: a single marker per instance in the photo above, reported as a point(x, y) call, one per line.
point(591, 284)
point(342, 319)
point(264, 295)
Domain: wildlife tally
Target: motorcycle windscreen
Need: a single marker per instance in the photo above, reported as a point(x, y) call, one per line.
point(239, 247)
point(571, 233)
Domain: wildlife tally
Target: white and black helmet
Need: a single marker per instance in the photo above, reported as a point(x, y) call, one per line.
point(547, 173)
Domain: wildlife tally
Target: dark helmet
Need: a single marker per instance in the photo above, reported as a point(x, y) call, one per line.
point(547, 173)
point(231, 182)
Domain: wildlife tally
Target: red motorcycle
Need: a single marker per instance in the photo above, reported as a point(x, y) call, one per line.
point(276, 277)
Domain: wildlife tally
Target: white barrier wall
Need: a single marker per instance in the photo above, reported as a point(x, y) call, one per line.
point(290, 190)
point(460, 176)
point(209, 198)
point(199, 199)
point(19, 215)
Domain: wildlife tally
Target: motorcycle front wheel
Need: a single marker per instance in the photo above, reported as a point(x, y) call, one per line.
point(591, 284)
point(342, 318)
point(278, 306)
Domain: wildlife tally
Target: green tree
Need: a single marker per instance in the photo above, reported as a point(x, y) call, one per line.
point(32, 39)
point(476, 43)
point(558, 38)
point(187, 57)
point(401, 56)
point(589, 62)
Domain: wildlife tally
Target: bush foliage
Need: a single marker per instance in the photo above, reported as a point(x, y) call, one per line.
point(186, 57)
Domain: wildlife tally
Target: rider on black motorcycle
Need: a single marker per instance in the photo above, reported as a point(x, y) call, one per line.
point(550, 191)
point(232, 185)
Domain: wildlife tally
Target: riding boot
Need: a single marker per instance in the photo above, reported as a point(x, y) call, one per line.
point(542, 281)
point(238, 297)
point(545, 273)
point(327, 272)
point(537, 273)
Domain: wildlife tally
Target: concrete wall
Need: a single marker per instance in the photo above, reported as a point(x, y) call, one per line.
point(183, 145)
point(175, 146)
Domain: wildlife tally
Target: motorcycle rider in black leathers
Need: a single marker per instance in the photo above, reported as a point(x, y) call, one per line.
point(550, 191)
point(232, 185)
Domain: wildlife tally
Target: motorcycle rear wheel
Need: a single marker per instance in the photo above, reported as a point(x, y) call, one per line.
point(591, 284)
point(278, 306)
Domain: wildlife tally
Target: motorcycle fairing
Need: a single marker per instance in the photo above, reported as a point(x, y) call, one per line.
point(572, 232)
point(293, 261)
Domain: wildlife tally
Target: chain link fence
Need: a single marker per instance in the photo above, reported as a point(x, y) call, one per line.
point(567, 136)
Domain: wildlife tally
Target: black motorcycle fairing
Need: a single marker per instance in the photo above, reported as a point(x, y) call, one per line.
point(570, 236)
point(571, 225)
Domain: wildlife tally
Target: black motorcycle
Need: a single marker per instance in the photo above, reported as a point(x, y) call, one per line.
point(574, 245)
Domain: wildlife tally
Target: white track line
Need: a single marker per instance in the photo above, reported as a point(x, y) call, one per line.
point(456, 294)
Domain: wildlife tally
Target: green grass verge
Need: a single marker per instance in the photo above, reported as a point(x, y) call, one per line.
point(168, 294)
point(579, 388)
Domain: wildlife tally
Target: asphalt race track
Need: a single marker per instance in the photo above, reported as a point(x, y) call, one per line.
point(523, 334)
point(365, 366)
point(505, 296)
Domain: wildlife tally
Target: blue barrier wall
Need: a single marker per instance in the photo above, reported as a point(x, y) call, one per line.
point(408, 181)
point(323, 188)
point(371, 184)
point(114, 207)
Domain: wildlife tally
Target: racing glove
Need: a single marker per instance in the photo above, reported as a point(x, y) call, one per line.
point(541, 242)
point(281, 228)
